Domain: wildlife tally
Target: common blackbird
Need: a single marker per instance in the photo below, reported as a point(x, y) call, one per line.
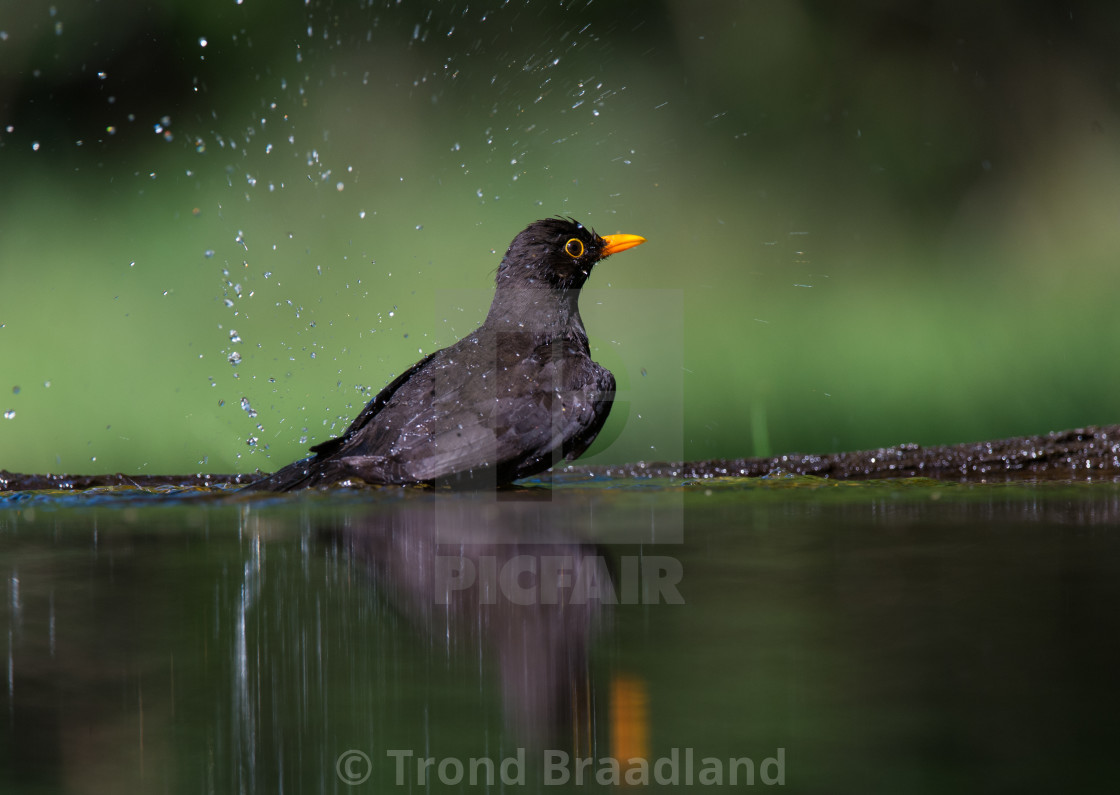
point(507, 401)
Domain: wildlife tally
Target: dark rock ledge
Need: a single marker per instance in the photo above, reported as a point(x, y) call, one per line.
point(1082, 454)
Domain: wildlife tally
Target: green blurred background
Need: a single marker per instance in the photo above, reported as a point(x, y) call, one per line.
point(868, 222)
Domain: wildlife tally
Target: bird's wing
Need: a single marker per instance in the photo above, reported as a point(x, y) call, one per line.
point(516, 423)
point(324, 467)
point(332, 446)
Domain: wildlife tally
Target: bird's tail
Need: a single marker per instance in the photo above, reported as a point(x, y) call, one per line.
point(301, 474)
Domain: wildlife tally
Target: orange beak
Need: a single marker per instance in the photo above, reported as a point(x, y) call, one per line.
point(617, 243)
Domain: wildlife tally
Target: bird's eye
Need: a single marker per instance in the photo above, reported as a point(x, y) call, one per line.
point(574, 248)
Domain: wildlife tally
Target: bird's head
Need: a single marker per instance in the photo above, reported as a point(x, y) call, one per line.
point(558, 253)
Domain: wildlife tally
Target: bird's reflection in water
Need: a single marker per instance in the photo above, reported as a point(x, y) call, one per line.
point(505, 577)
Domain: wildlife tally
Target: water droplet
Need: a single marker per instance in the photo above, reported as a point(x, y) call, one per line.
point(10, 414)
point(15, 390)
point(235, 358)
point(34, 146)
point(202, 41)
point(251, 441)
point(208, 253)
point(248, 409)
point(233, 336)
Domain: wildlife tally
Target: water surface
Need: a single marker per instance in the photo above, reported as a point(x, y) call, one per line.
point(843, 637)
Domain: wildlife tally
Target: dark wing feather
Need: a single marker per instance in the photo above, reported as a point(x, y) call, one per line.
point(322, 468)
point(332, 446)
point(462, 414)
point(496, 438)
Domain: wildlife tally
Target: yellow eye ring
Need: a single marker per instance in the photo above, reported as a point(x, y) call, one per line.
point(574, 248)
